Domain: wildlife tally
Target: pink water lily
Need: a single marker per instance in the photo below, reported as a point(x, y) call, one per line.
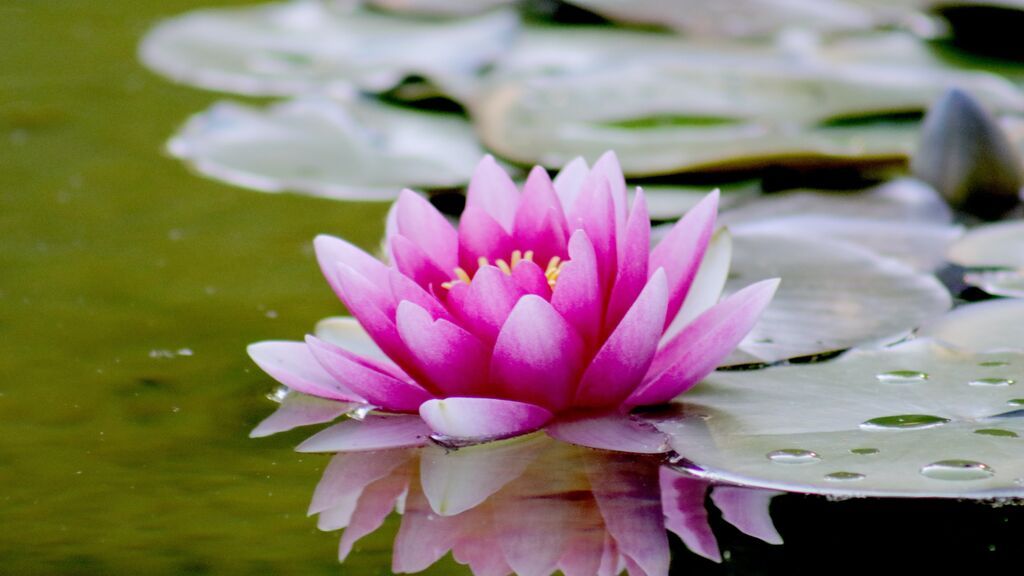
point(539, 305)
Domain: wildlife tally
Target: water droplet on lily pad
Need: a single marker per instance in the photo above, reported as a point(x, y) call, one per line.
point(992, 382)
point(996, 432)
point(1016, 402)
point(864, 451)
point(904, 422)
point(902, 376)
point(958, 470)
point(844, 476)
point(993, 363)
point(793, 456)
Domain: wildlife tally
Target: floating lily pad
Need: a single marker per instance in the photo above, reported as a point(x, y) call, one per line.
point(292, 48)
point(981, 326)
point(439, 7)
point(668, 105)
point(833, 295)
point(998, 245)
point(842, 428)
point(345, 148)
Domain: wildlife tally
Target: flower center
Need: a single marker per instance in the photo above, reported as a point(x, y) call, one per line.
point(551, 272)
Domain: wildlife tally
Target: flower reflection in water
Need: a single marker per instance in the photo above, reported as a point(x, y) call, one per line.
point(530, 505)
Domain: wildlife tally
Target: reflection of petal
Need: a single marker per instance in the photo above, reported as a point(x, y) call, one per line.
point(424, 537)
point(300, 410)
point(375, 503)
point(632, 510)
point(454, 482)
point(682, 499)
point(350, 472)
point(748, 510)
point(612, 431)
point(373, 433)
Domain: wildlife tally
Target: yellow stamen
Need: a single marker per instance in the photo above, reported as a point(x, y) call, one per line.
point(517, 257)
point(462, 275)
point(528, 255)
point(552, 271)
point(503, 266)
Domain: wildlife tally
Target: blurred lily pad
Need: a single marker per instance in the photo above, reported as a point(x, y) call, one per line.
point(990, 325)
point(834, 295)
point(344, 148)
point(297, 47)
point(915, 420)
point(439, 7)
point(668, 105)
point(999, 245)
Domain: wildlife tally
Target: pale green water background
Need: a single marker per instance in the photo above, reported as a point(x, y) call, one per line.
point(116, 462)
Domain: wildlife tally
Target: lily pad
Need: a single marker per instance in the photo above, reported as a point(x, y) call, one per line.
point(834, 295)
point(668, 105)
point(344, 148)
point(998, 245)
point(990, 325)
point(439, 7)
point(292, 48)
point(914, 420)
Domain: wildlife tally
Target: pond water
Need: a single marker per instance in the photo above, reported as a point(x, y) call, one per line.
point(129, 289)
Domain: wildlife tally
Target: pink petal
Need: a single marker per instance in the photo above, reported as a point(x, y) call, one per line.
point(373, 308)
point(626, 355)
point(300, 410)
point(707, 285)
point(533, 526)
point(378, 383)
point(292, 364)
point(608, 431)
point(349, 473)
point(456, 481)
point(680, 252)
point(569, 181)
point(483, 307)
point(627, 493)
point(540, 225)
point(402, 288)
point(682, 500)
point(482, 418)
point(415, 263)
point(454, 361)
point(479, 554)
point(700, 347)
point(634, 251)
point(373, 433)
point(607, 170)
point(578, 295)
point(531, 279)
point(537, 355)
point(420, 222)
point(481, 236)
point(331, 251)
point(594, 213)
point(375, 503)
point(748, 510)
point(492, 190)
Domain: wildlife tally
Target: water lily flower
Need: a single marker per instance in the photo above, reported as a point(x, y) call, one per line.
point(538, 305)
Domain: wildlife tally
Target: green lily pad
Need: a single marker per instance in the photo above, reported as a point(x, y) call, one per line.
point(439, 7)
point(291, 48)
point(834, 295)
point(668, 105)
point(848, 427)
point(345, 148)
point(998, 245)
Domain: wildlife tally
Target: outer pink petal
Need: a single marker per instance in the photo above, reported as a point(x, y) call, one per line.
point(402, 288)
point(300, 410)
point(594, 213)
point(698, 349)
point(331, 251)
point(634, 251)
point(482, 418)
point(376, 382)
point(373, 433)
point(454, 361)
point(569, 181)
point(578, 295)
point(608, 431)
point(627, 493)
point(374, 308)
point(680, 252)
point(420, 222)
point(349, 473)
point(375, 503)
point(537, 356)
point(415, 263)
point(484, 305)
point(492, 190)
point(620, 364)
point(682, 500)
point(481, 236)
point(748, 510)
point(292, 364)
point(540, 225)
